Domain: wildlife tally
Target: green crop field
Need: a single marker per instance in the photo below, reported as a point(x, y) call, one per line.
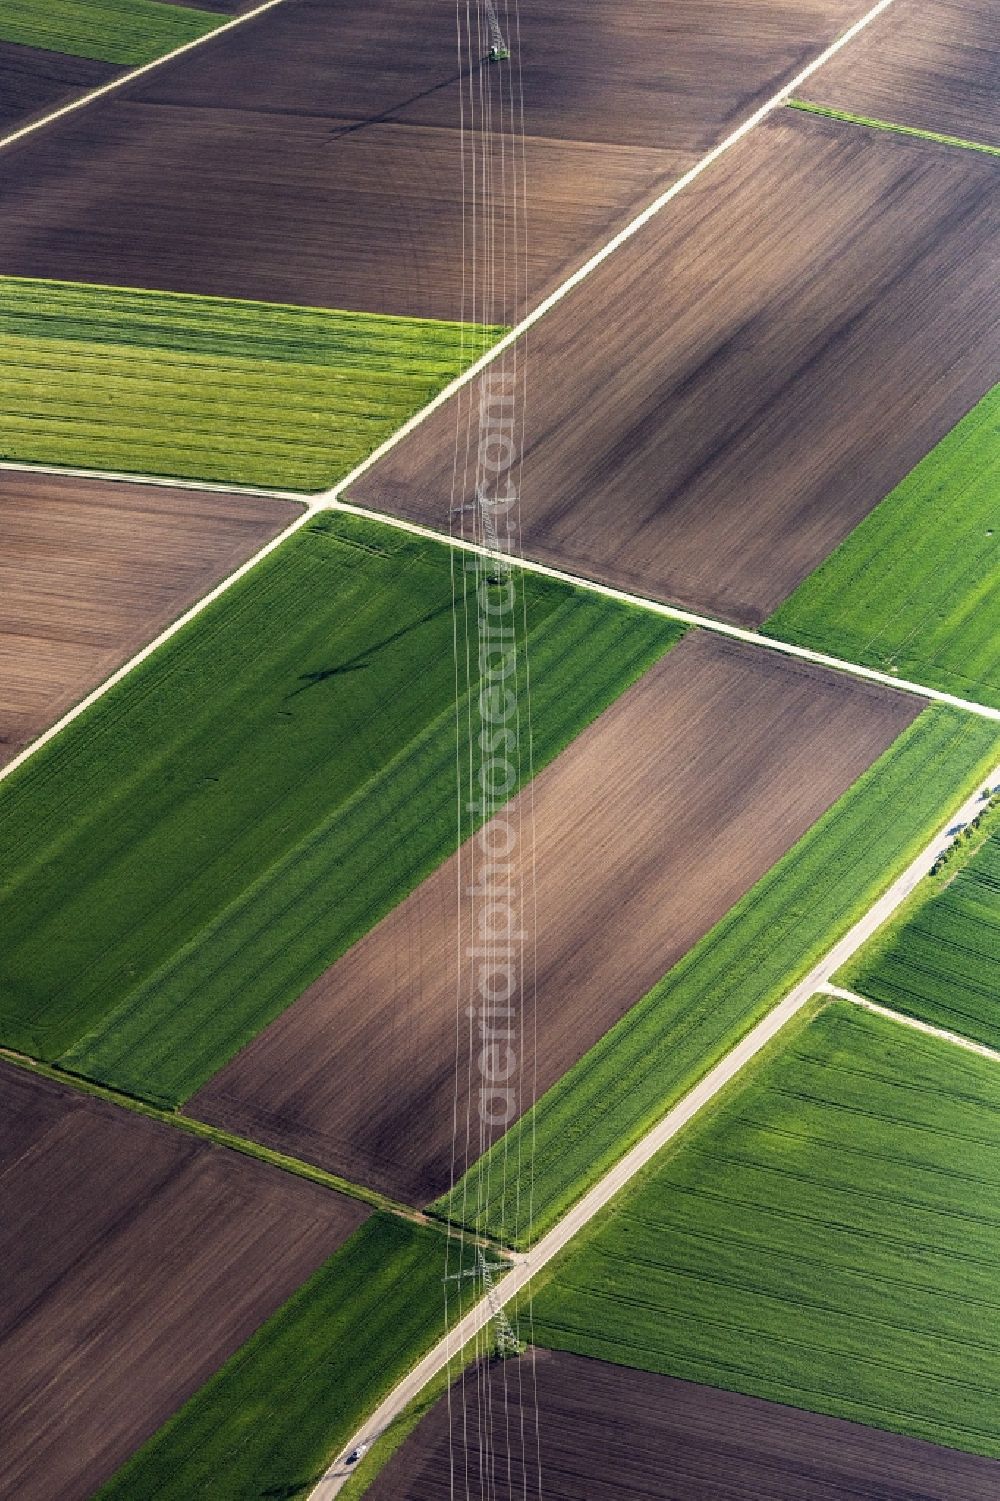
point(129, 32)
point(193, 850)
point(939, 959)
point(743, 967)
point(267, 1424)
point(208, 388)
point(827, 1237)
point(915, 589)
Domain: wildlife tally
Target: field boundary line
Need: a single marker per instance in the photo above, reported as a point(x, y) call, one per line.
point(640, 1155)
point(676, 612)
point(246, 1146)
point(942, 1033)
point(131, 74)
point(891, 127)
point(313, 505)
point(165, 482)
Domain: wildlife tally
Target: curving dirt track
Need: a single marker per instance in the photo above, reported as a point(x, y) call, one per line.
point(313, 155)
point(934, 64)
point(648, 828)
point(136, 1260)
point(717, 406)
point(607, 1432)
point(90, 571)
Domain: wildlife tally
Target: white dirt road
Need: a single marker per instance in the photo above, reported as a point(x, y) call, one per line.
point(560, 1236)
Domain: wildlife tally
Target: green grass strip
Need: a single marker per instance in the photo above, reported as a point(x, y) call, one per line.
point(939, 958)
point(216, 1134)
point(902, 130)
point(211, 388)
point(740, 970)
point(203, 842)
point(274, 1416)
point(915, 588)
point(129, 32)
point(826, 1238)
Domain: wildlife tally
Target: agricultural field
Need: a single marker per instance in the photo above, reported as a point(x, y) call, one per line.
point(939, 958)
point(33, 81)
point(807, 322)
point(826, 1237)
point(128, 32)
point(715, 763)
point(606, 1432)
point(745, 965)
point(210, 821)
point(90, 571)
point(209, 388)
point(934, 64)
point(344, 122)
point(286, 1402)
point(915, 589)
point(137, 1260)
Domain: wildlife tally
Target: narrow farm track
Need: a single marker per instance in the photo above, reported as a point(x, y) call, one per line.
point(942, 1033)
point(313, 505)
point(526, 1267)
point(130, 75)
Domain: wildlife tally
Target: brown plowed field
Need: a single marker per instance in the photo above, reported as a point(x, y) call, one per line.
point(647, 829)
point(89, 572)
point(563, 1427)
point(715, 408)
point(33, 81)
point(631, 72)
point(279, 206)
point(136, 1260)
point(930, 63)
point(312, 156)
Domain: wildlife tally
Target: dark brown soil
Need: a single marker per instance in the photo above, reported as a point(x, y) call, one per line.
point(934, 64)
point(314, 155)
point(136, 1260)
point(647, 829)
point(89, 572)
point(33, 81)
point(568, 1428)
point(714, 410)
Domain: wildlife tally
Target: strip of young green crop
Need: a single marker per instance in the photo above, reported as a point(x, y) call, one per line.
point(129, 32)
point(282, 1407)
point(915, 589)
point(212, 389)
point(220, 827)
point(939, 959)
point(744, 966)
point(871, 123)
point(827, 1237)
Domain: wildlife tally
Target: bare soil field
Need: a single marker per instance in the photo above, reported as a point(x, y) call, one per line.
point(564, 1427)
point(606, 71)
point(33, 81)
point(136, 1260)
point(934, 64)
point(260, 165)
point(647, 829)
point(89, 572)
point(287, 207)
point(717, 406)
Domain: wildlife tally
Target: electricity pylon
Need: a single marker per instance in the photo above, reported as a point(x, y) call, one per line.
point(507, 1342)
point(498, 47)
